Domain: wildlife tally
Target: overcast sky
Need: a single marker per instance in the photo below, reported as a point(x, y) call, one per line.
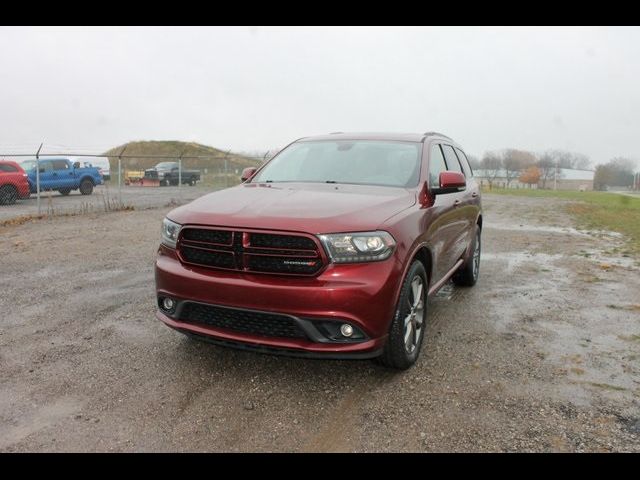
point(255, 88)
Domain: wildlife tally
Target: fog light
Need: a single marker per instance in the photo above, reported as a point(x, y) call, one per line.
point(346, 330)
point(168, 303)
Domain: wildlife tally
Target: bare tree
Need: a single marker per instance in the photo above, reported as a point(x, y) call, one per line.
point(565, 159)
point(618, 172)
point(491, 164)
point(515, 161)
point(547, 166)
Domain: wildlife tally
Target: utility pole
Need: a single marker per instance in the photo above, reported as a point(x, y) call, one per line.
point(38, 176)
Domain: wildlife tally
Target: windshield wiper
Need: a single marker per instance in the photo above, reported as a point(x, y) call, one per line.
point(330, 181)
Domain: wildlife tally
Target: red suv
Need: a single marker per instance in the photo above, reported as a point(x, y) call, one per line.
point(14, 182)
point(329, 250)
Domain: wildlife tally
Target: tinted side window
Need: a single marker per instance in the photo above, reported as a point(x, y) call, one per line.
point(452, 161)
point(60, 165)
point(47, 166)
point(436, 165)
point(7, 168)
point(468, 172)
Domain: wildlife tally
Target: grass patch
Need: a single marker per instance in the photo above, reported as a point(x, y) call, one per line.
point(630, 338)
point(595, 211)
point(606, 386)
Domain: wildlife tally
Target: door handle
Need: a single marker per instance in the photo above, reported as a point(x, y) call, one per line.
point(456, 203)
point(474, 194)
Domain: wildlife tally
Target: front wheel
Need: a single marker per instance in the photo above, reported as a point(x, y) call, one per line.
point(64, 191)
point(408, 325)
point(467, 274)
point(86, 187)
point(8, 195)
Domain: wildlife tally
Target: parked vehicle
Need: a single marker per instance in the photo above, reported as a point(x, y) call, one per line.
point(168, 174)
point(14, 183)
point(63, 175)
point(101, 163)
point(328, 250)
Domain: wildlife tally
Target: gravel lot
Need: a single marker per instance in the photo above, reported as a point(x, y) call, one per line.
point(542, 355)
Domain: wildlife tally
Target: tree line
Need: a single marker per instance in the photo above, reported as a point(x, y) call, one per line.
point(541, 169)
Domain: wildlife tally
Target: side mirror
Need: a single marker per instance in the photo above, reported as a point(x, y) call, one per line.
point(247, 173)
point(76, 165)
point(450, 182)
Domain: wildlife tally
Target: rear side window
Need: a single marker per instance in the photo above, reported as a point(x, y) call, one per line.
point(5, 167)
point(452, 161)
point(60, 165)
point(468, 172)
point(437, 165)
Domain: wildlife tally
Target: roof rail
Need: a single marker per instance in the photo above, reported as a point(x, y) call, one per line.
point(433, 134)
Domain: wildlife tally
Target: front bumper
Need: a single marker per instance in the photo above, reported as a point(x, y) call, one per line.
point(363, 295)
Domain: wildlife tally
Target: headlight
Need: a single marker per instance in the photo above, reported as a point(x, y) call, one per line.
point(170, 231)
point(359, 246)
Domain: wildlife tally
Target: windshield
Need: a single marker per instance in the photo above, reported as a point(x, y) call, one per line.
point(166, 165)
point(367, 162)
point(28, 165)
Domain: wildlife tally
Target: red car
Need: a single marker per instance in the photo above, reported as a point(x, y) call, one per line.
point(329, 250)
point(14, 182)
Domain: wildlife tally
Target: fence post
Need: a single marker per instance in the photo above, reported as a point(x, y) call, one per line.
point(38, 176)
point(120, 174)
point(226, 169)
point(180, 175)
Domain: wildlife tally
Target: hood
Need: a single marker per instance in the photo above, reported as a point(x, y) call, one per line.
point(311, 208)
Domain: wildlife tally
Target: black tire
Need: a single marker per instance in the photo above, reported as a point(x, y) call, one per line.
point(467, 274)
point(192, 182)
point(407, 331)
point(86, 187)
point(8, 194)
point(64, 191)
point(163, 183)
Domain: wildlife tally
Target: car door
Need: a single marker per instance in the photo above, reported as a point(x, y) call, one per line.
point(458, 228)
point(471, 196)
point(46, 174)
point(440, 229)
point(62, 174)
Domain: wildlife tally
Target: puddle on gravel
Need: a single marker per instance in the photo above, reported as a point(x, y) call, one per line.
point(552, 229)
point(516, 260)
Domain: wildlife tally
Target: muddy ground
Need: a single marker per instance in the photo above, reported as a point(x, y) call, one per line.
point(542, 355)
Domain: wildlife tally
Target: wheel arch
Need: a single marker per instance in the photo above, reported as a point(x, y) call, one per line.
point(87, 177)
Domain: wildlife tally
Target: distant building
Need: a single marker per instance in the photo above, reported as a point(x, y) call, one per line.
point(568, 179)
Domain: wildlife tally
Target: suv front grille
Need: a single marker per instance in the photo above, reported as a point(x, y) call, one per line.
point(284, 254)
point(247, 321)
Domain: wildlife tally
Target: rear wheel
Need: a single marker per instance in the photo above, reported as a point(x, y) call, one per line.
point(467, 274)
point(8, 195)
point(408, 325)
point(65, 191)
point(86, 187)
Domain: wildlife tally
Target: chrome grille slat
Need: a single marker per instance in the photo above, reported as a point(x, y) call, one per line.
point(240, 250)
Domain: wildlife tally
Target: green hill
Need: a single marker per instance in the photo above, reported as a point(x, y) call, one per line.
point(214, 163)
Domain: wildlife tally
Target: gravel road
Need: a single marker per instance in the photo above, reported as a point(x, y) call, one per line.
point(542, 355)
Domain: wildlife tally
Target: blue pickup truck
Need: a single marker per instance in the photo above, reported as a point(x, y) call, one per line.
point(63, 175)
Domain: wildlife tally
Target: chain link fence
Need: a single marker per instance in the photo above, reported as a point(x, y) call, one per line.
point(49, 183)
